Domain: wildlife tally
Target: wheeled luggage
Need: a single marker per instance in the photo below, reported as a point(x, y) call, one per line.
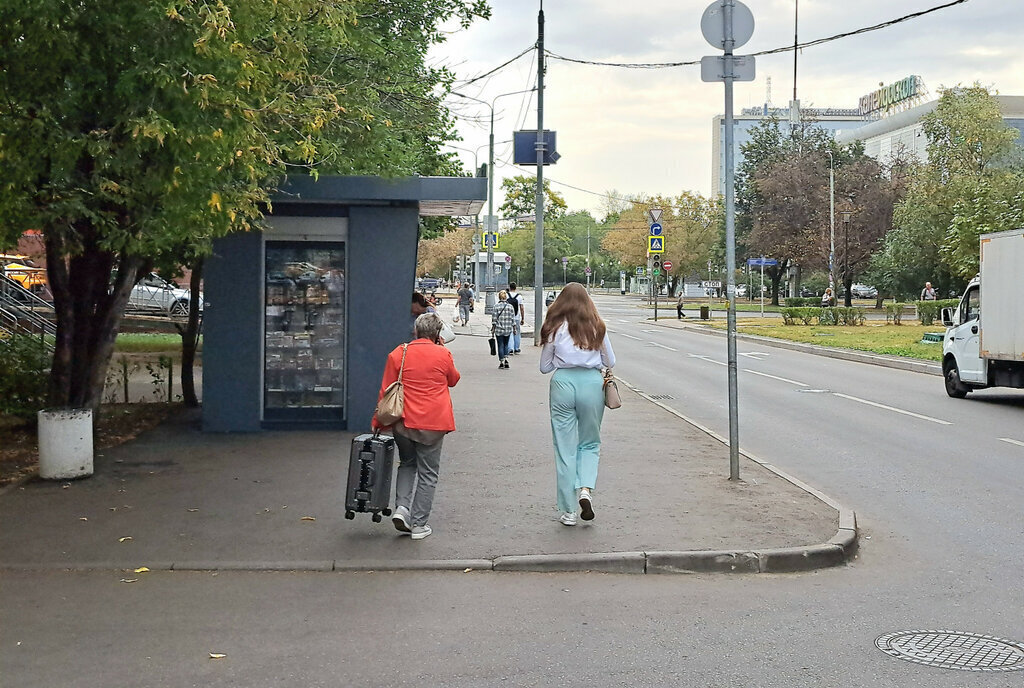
point(369, 476)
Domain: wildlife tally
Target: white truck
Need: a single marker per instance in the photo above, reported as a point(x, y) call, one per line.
point(987, 350)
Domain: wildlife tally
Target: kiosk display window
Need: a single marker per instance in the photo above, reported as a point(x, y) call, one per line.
point(304, 359)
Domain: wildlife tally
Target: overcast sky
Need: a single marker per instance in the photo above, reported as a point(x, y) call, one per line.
point(649, 131)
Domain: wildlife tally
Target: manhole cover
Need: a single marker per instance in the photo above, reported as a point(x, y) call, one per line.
point(814, 391)
point(953, 650)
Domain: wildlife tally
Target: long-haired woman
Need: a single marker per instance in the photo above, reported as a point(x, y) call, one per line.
point(576, 347)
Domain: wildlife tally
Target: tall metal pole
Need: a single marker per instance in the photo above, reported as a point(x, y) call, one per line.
point(730, 250)
point(538, 242)
point(831, 222)
point(492, 225)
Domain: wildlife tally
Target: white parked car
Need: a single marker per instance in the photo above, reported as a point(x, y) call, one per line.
point(153, 294)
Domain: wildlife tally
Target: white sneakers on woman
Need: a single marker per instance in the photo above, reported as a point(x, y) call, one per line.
point(586, 505)
point(568, 518)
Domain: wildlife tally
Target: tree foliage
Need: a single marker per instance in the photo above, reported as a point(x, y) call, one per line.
point(971, 184)
point(520, 194)
point(131, 129)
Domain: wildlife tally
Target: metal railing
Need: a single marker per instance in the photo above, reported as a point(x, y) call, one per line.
point(22, 311)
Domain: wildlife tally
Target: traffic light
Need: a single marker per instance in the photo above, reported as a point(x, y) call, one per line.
point(657, 262)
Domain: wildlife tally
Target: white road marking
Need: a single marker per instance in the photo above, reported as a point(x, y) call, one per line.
point(623, 334)
point(706, 358)
point(662, 346)
point(893, 409)
point(775, 377)
point(623, 321)
point(1007, 439)
point(754, 355)
point(650, 331)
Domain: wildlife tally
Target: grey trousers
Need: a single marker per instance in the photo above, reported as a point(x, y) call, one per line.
point(417, 476)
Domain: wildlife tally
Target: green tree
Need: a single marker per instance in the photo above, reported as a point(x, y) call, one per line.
point(520, 194)
point(131, 129)
point(969, 185)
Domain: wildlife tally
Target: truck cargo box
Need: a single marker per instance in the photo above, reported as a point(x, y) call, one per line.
point(1002, 305)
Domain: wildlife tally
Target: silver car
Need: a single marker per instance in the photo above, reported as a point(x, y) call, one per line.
point(155, 295)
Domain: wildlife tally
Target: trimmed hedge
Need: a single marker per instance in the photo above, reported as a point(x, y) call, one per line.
point(928, 311)
point(801, 301)
point(824, 316)
point(894, 312)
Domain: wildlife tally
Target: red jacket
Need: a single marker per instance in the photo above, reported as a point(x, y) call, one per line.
point(429, 372)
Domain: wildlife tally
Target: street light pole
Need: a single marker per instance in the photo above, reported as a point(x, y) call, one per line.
point(492, 225)
point(846, 255)
point(831, 222)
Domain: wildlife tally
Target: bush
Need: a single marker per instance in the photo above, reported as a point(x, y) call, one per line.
point(841, 315)
point(894, 312)
point(800, 301)
point(23, 375)
point(927, 311)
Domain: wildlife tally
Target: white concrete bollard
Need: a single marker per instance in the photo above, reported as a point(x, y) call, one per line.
point(65, 443)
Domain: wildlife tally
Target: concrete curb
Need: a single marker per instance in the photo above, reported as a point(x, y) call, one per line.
point(837, 550)
point(894, 362)
point(606, 562)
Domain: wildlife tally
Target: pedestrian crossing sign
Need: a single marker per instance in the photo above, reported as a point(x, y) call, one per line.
point(655, 244)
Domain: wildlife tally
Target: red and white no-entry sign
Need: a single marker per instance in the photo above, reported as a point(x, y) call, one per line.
point(667, 265)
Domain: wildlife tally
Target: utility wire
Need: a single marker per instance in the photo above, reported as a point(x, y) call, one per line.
point(818, 41)
point(499, 67)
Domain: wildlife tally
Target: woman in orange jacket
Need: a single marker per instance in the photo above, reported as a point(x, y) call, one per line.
point(428, 416)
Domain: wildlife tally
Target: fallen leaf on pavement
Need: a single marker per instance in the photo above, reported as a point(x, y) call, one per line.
point(467, 570)
point(82, 518)
point(217, 655)
point(141, 569)
point(124, 539)
point(308, 518)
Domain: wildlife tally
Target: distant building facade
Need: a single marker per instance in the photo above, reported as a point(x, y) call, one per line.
point(829, 119)
point(904, 130)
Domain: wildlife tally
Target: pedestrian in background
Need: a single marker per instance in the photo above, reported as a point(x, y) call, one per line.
point(503, 319)
point(928, 293)
point(828, 299)
point(576, 347)
point(465, 295)
point(427, 373)
point(520, 319)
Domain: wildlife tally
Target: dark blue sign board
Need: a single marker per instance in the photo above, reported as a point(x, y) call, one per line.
point(524, 145)
point(758, 262)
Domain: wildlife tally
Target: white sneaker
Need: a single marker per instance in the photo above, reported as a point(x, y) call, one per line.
point(420, 532)
point(568, 518)
point(586, 505)
point(401, 520)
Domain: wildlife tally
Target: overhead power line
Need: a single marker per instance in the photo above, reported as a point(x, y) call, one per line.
point(808, 44)
point(498, 68)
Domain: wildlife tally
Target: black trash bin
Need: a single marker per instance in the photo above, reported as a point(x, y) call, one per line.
point(705, 313)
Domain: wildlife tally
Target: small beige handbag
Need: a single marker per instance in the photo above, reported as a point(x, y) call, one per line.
point(611, 390)
point(391, 406)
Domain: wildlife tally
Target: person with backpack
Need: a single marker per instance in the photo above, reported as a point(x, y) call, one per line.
point(520, 320)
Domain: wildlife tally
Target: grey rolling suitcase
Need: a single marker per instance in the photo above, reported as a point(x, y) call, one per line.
point(369, 476)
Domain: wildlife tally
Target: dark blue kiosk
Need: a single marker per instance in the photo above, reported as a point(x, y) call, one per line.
point(298, 319)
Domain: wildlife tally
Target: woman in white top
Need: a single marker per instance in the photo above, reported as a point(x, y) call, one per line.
point(576, 347)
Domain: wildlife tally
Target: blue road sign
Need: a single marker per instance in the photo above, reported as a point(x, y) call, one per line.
point(655, 229)
point(759, 262)
point(639, 271)
point(655, 244)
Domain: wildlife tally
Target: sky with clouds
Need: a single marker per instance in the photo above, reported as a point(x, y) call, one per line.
point(649, 131)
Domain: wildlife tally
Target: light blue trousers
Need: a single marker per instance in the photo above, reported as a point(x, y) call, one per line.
point(577, 408)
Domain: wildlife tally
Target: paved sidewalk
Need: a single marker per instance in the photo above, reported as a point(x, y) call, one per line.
point(178, 498)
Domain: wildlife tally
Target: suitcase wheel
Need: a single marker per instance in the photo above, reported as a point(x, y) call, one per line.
point(376, 517)
point(350, 515)
point(386, 512)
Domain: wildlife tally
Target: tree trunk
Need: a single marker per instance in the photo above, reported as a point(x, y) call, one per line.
point(89, 309)
point(848, 283)
point(190, 338)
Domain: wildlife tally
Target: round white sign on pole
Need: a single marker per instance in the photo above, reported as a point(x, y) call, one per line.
point(712, 24)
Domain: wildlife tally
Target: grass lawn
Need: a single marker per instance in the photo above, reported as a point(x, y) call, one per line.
point(150, 342)
point(894, 340)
